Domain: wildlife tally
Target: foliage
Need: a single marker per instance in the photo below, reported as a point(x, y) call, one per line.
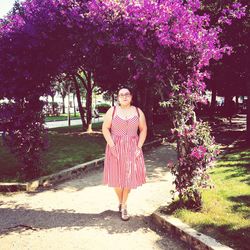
point(24, 134)
point(229, 75)
point(102, 107)
point(196, 150)
point(51, 109)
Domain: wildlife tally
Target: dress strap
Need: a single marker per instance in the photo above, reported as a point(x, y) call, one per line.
point(138, 112)
point(113, 112)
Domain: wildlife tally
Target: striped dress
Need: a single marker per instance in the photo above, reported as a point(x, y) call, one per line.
point(127, 170)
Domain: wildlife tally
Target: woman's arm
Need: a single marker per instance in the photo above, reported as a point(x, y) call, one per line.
point(107, 120)
point(142, 128)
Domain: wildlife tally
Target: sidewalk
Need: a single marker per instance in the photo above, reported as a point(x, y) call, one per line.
point(56, 124)
point(82, 213)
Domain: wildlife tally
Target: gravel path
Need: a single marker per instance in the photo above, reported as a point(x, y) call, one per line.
point(82, 213)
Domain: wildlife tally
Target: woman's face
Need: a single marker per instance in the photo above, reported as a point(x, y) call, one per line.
point(124, 97)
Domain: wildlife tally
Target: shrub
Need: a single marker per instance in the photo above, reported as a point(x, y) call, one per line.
point(102, 107)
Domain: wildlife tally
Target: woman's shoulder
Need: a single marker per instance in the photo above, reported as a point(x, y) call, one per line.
point(111, 111)
point(137, 108)
point(139, 111)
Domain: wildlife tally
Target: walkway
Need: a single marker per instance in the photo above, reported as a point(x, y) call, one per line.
point(82, 214)
point(73, 122)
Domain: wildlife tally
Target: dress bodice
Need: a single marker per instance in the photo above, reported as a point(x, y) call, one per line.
point(124, 127)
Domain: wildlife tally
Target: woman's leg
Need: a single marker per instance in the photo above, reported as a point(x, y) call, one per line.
point(124, 213)
point(125, 193)
point(119, 194)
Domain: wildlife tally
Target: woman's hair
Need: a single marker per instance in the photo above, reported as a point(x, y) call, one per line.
point(129, 92)
point(125, 88)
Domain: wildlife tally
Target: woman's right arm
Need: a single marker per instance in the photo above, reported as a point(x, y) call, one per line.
point(107, 120)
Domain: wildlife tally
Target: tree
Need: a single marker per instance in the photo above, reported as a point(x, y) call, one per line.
point(88, 83)
point(140, 43)
point(229, 75)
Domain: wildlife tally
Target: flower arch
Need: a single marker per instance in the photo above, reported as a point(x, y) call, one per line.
point(161, 43)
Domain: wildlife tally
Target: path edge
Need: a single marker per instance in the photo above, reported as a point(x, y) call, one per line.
point(66, 174)
point(186, 233)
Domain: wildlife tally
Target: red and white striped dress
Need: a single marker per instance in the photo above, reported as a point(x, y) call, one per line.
point(126, 170)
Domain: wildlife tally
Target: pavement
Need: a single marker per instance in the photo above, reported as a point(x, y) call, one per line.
point(82, 213)
point(73, 122)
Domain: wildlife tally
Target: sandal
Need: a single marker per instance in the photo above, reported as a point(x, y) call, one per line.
point(124, 214)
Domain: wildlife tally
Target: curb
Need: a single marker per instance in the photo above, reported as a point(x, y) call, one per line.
point(66, 174)
point(185, 233)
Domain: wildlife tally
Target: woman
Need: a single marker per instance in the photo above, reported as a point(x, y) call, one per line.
point(124, 166)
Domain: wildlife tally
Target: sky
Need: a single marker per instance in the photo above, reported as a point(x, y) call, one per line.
point(6, 6)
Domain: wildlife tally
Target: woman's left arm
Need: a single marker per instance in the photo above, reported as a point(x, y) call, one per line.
point(142, 128)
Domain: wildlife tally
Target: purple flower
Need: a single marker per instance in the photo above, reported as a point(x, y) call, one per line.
point(198, 152)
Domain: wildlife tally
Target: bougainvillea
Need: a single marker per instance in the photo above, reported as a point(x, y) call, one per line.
point(158, 42)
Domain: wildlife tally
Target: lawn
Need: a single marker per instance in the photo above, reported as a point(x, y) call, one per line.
point(226, 208)
point(68, 146)
point(64, 117)
point(61, 117)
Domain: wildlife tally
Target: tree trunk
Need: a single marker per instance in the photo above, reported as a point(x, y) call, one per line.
point(78, 97)
point(53, 105)
point(237, 102)
point(213, 100)
point(149, 112)
point(74, 96)
point(248, 113)
point(63, 107)
point(227, 99)
point(89, 103)
point(69, 105)
point(113, 99)
point(135, 97)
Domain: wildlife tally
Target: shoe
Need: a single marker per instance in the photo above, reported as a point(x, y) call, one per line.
point(124, 214)
point(120, 208)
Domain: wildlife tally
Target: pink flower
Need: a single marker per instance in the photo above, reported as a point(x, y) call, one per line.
point(198, 152)
point(129, 57)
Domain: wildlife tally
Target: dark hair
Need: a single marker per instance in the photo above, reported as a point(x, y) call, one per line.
point(129, 89)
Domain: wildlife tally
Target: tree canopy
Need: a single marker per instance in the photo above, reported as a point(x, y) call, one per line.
point(158, 41)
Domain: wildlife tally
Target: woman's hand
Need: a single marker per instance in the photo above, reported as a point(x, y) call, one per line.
point(137, 151)
point(114, 151)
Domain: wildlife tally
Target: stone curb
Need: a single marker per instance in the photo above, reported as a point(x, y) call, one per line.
point(185, 233)
point(66, 174)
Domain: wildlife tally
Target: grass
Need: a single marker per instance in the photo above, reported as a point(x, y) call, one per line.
point(64, 117)
point(68, 146)
point(226, 209)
